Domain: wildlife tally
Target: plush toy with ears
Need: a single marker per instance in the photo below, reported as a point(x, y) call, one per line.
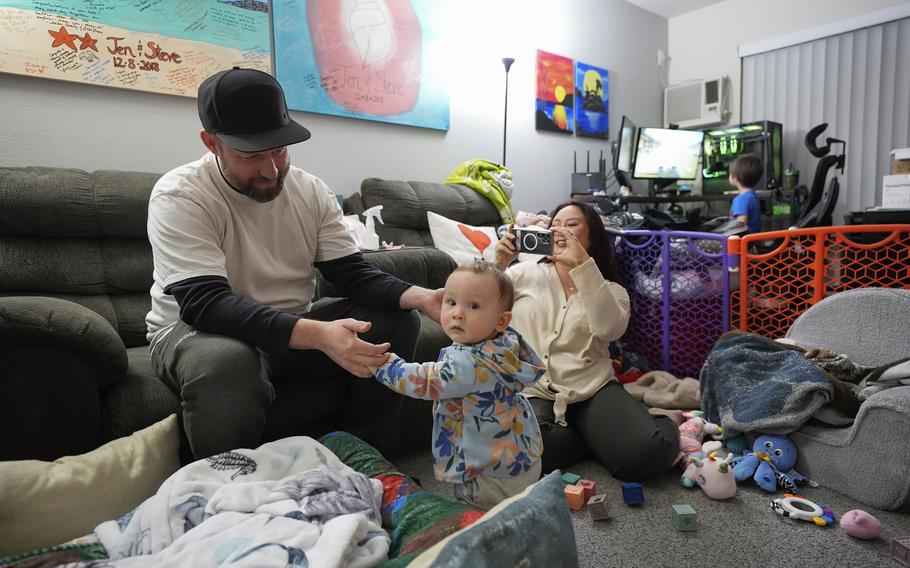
point(702, 467)
point(770, 464)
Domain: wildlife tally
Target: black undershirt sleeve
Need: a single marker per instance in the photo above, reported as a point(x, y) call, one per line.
point(208, 304)
point(366, 285)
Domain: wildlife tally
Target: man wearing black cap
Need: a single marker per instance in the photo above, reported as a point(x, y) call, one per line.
point(236, 237)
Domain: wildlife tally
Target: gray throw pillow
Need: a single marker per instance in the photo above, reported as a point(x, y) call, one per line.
point(532, 528)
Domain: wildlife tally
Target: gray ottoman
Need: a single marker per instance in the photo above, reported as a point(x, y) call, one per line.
point(870, 459)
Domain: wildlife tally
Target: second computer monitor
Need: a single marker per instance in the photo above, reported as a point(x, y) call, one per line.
point(668, 154)
point(626, 146)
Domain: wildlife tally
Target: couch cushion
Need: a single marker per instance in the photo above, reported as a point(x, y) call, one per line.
point(46, 503)
point(867, 460)
point(405, 205)
point(869, 325)
point(62, 202)
point(79, 236)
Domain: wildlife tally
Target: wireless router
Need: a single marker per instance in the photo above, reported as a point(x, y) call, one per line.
point(588, 181)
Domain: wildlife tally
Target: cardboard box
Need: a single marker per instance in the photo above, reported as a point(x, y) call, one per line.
point(900, 161)
point(896, 192)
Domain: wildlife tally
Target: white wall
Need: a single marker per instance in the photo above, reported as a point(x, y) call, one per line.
point(704, 43)
point(55, 123)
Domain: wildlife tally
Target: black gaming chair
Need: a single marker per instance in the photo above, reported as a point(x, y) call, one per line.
point(819, 204)
point(820, 214)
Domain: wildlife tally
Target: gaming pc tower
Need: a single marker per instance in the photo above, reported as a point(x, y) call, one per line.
point(761, 138)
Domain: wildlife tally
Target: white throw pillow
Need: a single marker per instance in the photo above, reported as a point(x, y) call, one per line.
point(461, 241)
point(47, 503)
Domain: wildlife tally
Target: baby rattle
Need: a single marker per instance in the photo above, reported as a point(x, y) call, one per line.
point(799, 508)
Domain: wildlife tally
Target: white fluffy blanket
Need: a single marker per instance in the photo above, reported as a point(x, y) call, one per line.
point(287, 503)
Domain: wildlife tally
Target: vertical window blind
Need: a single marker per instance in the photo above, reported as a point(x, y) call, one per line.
point(858, 82)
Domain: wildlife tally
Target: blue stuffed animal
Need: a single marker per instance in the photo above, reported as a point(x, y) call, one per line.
point(770, 464)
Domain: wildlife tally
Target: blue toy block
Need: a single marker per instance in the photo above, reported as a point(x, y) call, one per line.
point(569, 478)
point(633, 494)
point(684, 517)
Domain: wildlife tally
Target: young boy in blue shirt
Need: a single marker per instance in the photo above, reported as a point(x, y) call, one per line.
point(745, 172)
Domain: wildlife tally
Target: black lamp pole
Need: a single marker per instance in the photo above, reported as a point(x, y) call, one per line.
point(507, 62)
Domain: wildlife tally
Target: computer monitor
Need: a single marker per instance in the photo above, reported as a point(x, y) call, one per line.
point(624, 155)
point(667, 154)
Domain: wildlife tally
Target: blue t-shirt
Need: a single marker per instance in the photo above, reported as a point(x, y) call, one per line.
point(746, 203)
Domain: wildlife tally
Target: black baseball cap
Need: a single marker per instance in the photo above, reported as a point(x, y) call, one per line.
point(246, 109)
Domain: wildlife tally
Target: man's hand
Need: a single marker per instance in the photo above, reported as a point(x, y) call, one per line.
point(338, 340)
point(427, 301)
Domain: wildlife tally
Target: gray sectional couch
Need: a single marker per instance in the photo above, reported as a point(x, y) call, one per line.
point(75, 272)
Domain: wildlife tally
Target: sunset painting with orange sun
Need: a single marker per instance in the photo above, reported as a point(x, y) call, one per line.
point(555, 93)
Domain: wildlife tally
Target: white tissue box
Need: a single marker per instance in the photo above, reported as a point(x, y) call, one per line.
point(896, 192)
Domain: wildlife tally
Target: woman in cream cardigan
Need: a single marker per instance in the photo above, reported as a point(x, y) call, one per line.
point(569, 307)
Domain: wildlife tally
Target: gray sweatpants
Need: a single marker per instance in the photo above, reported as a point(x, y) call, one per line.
point(235, 395)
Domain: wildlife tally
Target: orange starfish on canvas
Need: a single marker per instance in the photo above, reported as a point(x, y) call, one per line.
point(63, 37)
point(88, 42)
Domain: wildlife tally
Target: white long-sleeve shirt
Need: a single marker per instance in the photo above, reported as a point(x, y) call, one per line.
point(571, 335)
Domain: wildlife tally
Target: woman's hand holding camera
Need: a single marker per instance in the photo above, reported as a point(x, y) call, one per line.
point(506, 253)
point(572, 255)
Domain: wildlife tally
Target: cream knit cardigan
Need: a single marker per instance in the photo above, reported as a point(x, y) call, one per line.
point(571, 335)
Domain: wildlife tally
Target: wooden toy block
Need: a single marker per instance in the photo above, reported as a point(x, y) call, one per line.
point(575, 497)
point(900, 549)
point(589, 486)
point(598, 507)
point(569, 478)
point(633, 494)
point(684, 517)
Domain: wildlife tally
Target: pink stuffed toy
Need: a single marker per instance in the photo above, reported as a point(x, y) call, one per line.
point(860, 524)
point(714, 475)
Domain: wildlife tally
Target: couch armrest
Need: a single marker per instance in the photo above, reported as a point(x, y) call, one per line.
point(39, 321)
point(422, 266)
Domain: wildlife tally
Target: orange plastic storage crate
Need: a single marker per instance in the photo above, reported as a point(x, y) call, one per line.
point(808, 265)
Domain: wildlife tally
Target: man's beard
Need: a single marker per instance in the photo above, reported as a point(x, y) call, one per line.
point(255, 193)
point(264, 195)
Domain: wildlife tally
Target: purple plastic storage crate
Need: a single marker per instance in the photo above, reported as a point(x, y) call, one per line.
point(679, 285)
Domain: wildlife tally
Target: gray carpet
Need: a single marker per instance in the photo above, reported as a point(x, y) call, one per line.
point(742, 532)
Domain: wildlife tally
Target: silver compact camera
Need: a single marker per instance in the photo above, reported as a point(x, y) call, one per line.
point(534, 241)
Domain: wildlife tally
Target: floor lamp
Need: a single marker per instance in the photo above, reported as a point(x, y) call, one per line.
point(507, 62)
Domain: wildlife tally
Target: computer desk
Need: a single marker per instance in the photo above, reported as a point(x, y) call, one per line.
point(763, 194)
point(766, 196)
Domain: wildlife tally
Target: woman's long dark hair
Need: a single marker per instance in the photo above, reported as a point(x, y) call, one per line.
point(601, 249)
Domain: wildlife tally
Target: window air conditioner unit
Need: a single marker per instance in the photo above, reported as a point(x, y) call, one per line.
point(696, 104)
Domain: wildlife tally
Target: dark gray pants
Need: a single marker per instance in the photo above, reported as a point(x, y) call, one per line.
point(235, 395)
point(615, 428)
